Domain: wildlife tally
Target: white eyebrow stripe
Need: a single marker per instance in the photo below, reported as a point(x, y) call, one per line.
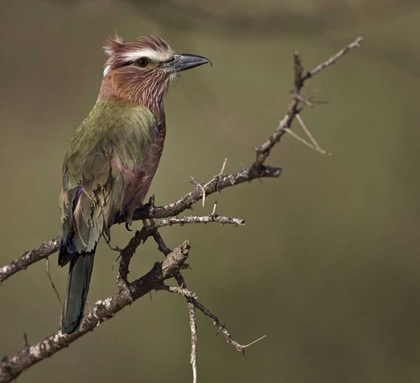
point(108, 52)
point(106, 70)
point(161, 55)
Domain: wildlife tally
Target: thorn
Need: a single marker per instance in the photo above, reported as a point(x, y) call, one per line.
point(308, 133)
point(89, 305)
point(50, 279)
point(223, 167)
point(213, 213)
point(116, 260)
point(220, 328)
point(303, 100)
point(255, 341)
point(203, 190)
point(293, 134)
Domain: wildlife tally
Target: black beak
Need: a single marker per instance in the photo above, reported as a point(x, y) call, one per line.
point(185, 61)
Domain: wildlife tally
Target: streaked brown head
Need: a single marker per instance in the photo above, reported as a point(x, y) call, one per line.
point(142, 71)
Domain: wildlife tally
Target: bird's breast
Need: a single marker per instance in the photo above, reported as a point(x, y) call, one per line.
point(137, 179)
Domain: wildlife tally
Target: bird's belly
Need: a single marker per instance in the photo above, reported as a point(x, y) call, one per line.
point(137, 182)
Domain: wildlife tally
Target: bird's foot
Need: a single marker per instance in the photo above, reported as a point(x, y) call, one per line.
point(128, 225)
point(107, 237)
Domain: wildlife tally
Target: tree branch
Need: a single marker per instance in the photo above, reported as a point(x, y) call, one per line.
point(124, 295)
point(29, 258)
point(50, 247)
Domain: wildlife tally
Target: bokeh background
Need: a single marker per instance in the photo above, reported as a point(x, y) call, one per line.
point(327, 265)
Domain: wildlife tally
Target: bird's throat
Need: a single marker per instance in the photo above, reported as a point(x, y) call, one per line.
point(118, 88)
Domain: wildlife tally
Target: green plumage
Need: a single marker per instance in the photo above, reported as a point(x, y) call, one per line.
point(106, 172)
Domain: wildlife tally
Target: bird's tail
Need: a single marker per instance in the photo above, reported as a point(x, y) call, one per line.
point(81, 266)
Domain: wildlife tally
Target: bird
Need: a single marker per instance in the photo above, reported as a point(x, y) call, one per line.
point(113, 156)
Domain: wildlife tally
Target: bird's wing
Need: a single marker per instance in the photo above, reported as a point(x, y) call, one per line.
point(90, 195)
point(102, 171)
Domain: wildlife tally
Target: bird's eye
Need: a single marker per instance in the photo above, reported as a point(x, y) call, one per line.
point(142, 62)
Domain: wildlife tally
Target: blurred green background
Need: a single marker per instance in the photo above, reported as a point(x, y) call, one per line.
point(327, 265)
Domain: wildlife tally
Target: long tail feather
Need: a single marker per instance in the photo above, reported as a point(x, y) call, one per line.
point(81, 266)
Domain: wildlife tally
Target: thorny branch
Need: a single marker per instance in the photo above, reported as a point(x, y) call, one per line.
point(124, 295)
point(127, 292)
point(190, 297)
point(50, 247)
point(193, 304)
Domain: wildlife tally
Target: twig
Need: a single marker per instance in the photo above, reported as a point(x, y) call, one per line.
point(161, 245)
point(29, 258)
point(189, 296)
point(307, 131)
point(25, 339)
point(303, 100)
point(193, 328)
point(48, 271)
point(213, 213)
point(216, 184)
point(52, 246)
point(223, 167)
point(303, 141)
point(194, 219)
point(355, 44)
point(193, 304)
point(196, 183)
point(263, 151)
point(181, 291)
point(220, 327)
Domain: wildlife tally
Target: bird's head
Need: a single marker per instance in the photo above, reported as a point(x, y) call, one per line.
point(142, 71)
